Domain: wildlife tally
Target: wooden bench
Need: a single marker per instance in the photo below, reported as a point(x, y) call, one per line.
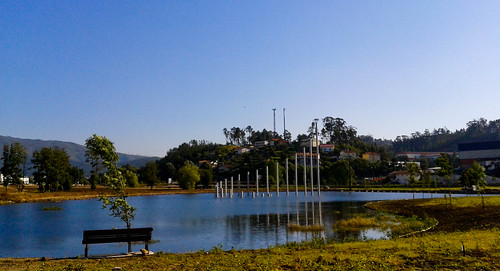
point(116, 236)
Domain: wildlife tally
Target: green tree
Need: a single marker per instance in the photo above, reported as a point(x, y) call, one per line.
point(414, 172)
point(148, 174)
point(101, 152)
point(475, 175)
point(52, 169)
point(130, 174)
point(206, 177)
point(446, 170)
point(189, 175)
point(166, 170)
point(13, 157)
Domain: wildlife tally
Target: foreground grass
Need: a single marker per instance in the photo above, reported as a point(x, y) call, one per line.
point(435, 251)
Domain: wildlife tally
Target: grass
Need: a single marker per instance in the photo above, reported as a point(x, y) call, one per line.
point(304, 228)
point(430, 252)
point(52, 208)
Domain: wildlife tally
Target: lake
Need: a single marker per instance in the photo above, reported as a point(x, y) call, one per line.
point(183, 223)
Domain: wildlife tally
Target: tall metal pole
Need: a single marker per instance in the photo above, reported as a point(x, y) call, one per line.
point(232, 188)
point(225, 180)
point(317, 158)
point(274, 122)
point(312, 169)
point(284, 124)
point(296, 177)
point(305, 173)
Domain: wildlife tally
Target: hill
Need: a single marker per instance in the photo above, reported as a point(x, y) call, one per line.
point(76, 152)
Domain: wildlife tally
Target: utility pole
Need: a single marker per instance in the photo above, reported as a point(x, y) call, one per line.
point(317, 156)
point(284, 124)
point(274, 122)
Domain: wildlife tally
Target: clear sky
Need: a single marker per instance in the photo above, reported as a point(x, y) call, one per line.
point(151, 75)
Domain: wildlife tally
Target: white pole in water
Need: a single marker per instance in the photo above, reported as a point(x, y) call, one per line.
point(248, 182)
point(312, 169)
point(225, 180)
point(257, 181)
point(305, 174)
point(239, 185)
point(317, 158)
point(286, 169)
point(267, 180)
point(217, 190)
point(221, 187)
point(232, 188)
point(296, 177)
point(277, 181)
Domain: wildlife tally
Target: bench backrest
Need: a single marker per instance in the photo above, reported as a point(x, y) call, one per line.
point(117, 235)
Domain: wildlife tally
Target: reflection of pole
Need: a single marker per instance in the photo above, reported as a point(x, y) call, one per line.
point(313, 213)
point(305, 174)
point(296, 177)
point(317, 157)
point(286, 169)
point(307, 222)
point(277, 180)
point(320, 214)
point(267, 180)
point(311, 167)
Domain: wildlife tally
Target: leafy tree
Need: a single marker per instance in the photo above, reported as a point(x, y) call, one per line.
point(188, 176)
point(475, 175)
point(206, 177)
point(101, 152)
point(13, 156)
point(336, 131)
point(53, 170)
point(148, 174)
point(414, 172)
point(166, 170)
point(446, 170)
point(77, 175)
point(130, 174)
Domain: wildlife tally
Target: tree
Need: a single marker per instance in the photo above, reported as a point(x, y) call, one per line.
point(166, 170)
point(414, 172)
point(336, 131)
point(475, 175)
point(188, 176)
point(206, 177)
point(130, 174)
point(13, 156)
point(53, 172)
point(101, 152)
point(446, 170)
point(149, 174)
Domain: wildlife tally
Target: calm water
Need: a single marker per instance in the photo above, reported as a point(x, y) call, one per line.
point(181, 223)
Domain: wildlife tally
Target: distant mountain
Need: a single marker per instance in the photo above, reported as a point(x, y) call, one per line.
point(76, 152)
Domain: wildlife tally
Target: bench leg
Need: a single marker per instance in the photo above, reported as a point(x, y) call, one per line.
point(86, 250)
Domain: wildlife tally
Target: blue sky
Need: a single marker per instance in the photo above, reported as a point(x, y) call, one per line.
point(150, 75)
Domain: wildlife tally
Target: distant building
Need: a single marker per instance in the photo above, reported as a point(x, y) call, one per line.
point(241, 150)
point(348, 155)
point(262, 143)
point(421, 155)
point(326, 148)
point(486, 153)
point(300, 159)
point(307, 142)
point(371, 156)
